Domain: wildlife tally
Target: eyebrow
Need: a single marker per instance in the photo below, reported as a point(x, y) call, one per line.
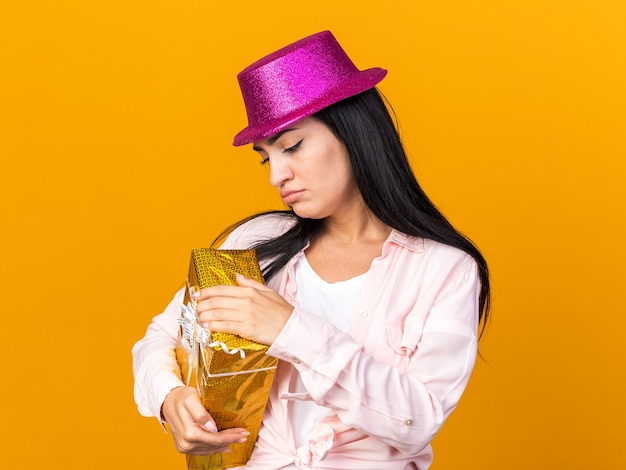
point(272, 140)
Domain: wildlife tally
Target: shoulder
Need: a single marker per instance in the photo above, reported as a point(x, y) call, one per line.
point(449, 264)
point(258, 229)
point(447, 252)
point(426, 247)
point(425, 253)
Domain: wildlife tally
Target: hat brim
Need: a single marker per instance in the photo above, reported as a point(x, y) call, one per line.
point(359, 83)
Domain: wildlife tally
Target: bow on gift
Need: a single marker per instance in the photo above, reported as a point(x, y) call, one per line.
point(195, 337)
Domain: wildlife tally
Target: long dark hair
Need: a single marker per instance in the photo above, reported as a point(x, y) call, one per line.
point(387, 184)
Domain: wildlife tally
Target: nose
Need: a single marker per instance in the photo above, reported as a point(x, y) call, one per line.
point(280, 171)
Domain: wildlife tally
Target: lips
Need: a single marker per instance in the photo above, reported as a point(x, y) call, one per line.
point(291, 196)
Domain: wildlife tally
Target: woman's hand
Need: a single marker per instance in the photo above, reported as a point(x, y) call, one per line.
point(251, 310)
point(193, 428)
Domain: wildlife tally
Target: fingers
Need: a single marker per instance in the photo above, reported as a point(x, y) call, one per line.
point(250, 309)
point(193, 428)
point(229, 290)
point(209, 425)
point(205, 443)
point(247, 282)
point(231, 302)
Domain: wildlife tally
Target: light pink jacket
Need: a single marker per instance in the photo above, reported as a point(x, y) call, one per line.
point(391, 380)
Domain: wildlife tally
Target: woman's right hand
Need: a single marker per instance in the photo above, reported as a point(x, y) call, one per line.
point(193, 427)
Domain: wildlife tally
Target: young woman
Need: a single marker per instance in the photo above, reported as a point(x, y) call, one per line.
point(372, 302)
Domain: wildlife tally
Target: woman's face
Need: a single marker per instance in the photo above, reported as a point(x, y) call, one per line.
point(310, 168)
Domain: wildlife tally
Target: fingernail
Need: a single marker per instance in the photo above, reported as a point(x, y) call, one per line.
point(195, 295)
point(242, 440)
point(205, 326)
point(245, 433)
point(210, 426)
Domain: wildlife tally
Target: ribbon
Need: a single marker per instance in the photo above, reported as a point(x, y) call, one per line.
point(195, 337)
point(241, 352)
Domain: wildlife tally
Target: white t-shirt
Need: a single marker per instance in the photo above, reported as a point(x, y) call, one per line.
point(334, 302)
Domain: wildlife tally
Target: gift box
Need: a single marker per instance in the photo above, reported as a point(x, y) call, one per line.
point(232, 374)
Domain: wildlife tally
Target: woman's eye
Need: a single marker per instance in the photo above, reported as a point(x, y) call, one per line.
point(293, 148)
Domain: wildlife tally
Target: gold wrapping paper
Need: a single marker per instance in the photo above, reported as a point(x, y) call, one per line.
point(232, 374)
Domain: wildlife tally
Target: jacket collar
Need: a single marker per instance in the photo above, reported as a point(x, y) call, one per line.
point(409, 242)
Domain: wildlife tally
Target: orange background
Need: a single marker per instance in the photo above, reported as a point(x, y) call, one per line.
point(116, 120)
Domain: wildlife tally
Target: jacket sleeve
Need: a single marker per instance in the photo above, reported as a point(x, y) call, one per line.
point(401, 406)
point(154, 360)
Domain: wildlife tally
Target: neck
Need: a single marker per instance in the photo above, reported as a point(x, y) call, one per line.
point(356, 228)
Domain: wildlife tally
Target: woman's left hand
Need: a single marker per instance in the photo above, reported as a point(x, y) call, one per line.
point(251, 310)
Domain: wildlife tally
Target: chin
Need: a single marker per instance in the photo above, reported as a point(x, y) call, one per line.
point(306, 214)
